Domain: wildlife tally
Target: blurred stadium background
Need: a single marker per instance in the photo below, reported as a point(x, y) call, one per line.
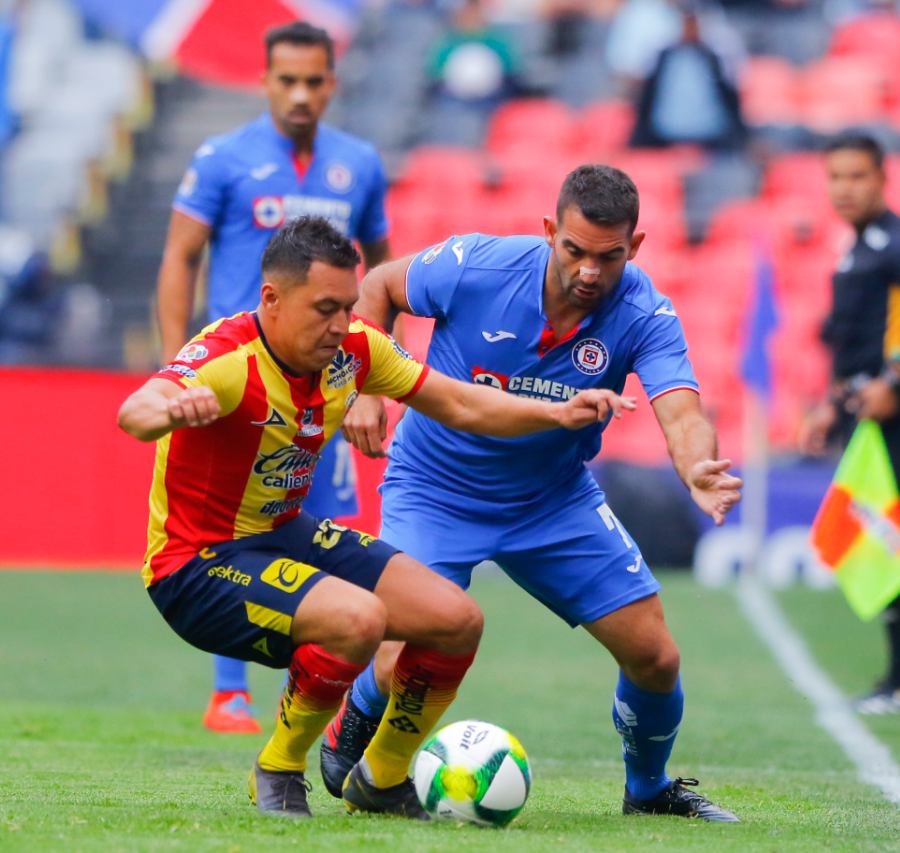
point(479, 109)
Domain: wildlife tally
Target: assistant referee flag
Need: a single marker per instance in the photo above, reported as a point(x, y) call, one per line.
point(857, 529)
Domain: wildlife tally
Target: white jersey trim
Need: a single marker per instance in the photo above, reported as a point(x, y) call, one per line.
point(192, 214)
point(693, 388)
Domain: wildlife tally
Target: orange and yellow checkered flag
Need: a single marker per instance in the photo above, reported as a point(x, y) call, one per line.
point(856, 532)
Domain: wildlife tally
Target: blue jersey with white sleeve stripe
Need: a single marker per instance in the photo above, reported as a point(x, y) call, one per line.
point(486, 297)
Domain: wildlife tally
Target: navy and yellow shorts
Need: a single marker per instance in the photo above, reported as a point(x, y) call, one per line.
point(238, 598)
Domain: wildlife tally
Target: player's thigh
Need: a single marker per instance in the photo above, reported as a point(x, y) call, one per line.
point(578, 559)
point(425, 608)
point(238, 600)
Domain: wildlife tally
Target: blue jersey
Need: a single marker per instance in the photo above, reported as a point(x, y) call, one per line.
point(247, 183)
point(486, 296)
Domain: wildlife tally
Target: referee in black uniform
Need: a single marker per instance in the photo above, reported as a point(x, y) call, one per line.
point(863, 333)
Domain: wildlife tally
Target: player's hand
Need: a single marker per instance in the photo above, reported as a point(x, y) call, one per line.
point(593, 406)
point(815, 427)
point(714, 490)
point(194, 407)
point(876, 400)
point(365, 425)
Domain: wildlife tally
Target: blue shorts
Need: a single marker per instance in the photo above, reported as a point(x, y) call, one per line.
point(238, 598)
point(567, 549)
point(332, 493)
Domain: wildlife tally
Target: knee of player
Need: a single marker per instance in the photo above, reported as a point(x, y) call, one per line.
point(362, 622)
point(668, 662)
point(467, 622)
point(662, 664)
point(654, 667)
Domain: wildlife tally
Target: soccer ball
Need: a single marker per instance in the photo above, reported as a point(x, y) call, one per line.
point(473, 771)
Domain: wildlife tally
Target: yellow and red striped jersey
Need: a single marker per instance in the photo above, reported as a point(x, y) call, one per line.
point(248, 472)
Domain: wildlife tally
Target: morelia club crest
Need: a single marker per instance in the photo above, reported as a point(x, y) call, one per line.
point(590, 356)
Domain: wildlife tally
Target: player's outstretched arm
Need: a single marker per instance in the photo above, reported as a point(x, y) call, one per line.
point(489, 411)
point(692, 445)
point(160, 406)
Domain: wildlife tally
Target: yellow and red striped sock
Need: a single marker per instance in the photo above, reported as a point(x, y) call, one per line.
point(423, 686)
point(317, 681)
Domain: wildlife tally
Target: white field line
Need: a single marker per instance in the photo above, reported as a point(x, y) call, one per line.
point(873, 760)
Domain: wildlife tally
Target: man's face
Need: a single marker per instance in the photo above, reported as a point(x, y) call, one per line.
point(306, 323)
point(855, 185)
point(298, 84)
point(588, 259)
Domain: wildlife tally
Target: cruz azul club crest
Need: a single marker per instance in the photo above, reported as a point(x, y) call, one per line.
point(590, 356)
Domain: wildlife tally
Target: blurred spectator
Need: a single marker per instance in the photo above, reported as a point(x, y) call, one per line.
point(8, 120)
point(29, 305)
point(839, 10)
point(640, 30)
point(688, 97)
point(474, 62)
point(568, 23)
point(474, 67)
point(643, 28)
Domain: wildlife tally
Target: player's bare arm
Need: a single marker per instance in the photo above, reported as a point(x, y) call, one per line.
point(691, 440)
point(382, 294)
point(182, 256)
point(382, 297)
point(489, 411)
point(160, 406)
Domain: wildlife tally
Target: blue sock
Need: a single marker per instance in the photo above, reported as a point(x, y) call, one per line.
point(366, 695)
point(230, 673)
point(648, 723)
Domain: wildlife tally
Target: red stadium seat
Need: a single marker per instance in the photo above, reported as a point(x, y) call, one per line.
point(875, 35)
point(662, 219)
point(800, 174)
point(443, 168)
point(892, 166)
point(786, 224)
point(537, 124)
point(768, 88)
point(604, 127)
point(839, 91)
point(532, 172)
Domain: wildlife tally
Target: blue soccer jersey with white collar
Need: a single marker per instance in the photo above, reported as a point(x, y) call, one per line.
point(247, 183)
point(486, 296)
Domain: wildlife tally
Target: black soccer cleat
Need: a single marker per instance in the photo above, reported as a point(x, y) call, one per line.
point(279, 792)
point(360, 795)
point(676, 799)
point(343, 744)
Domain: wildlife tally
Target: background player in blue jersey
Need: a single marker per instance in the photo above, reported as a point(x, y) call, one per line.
point(239, 189)
point(545, 317)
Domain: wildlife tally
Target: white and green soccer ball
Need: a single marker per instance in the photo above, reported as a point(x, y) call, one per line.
point(473, 771)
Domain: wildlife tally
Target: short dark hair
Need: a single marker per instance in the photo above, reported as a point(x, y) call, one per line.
point(309, 238)
point(302, 33)
point(604, 195)
point(857, 140)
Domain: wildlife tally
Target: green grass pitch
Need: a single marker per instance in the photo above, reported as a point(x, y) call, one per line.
point(101, 746)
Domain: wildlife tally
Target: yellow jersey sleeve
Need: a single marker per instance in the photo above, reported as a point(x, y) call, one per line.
point(224, 372)
point(393, 372)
